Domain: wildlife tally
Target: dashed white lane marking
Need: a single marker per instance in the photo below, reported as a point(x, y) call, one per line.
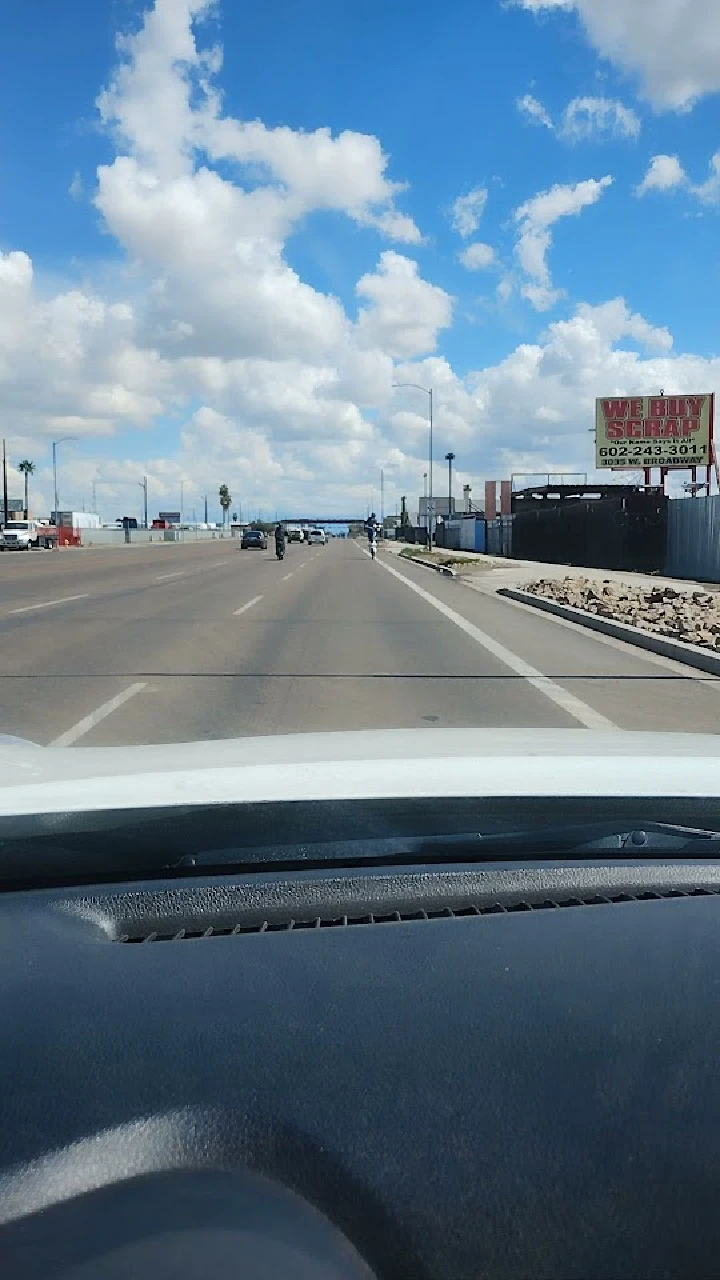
point(89, 722)
point(575, 707)
point(248, 605)
point(47, 604)
point(162, 577)
point(302, 566)
point(287, 575)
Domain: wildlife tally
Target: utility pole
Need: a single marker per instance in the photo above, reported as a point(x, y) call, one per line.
point(382, 502)
point(143, 486)
point(94, 496)
point(449, 458)
point(5, 497)
point(182, 501)
point(206, 519)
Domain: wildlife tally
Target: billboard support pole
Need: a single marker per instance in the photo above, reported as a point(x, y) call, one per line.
point(713, 451)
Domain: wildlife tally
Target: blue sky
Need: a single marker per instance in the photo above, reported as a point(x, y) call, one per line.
point(437, 92)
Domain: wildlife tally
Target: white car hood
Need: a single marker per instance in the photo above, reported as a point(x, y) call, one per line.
point(354, 766)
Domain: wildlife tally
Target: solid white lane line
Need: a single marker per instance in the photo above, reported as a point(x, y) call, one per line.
point(287, 575)
point(89, 722)
point(575, 707)
point(243, 608)
point(162, 577)
point(28, 608)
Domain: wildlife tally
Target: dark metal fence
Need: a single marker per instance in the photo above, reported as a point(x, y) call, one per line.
point(627, 532)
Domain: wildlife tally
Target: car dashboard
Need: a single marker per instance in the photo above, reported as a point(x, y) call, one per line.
point(457, 1072)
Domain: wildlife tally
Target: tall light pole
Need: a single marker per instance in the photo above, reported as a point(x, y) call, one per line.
point(143, 486)
point(429, 393)
point(5, 495)
point(62, 440)
point(449, 457)
point(182, 502)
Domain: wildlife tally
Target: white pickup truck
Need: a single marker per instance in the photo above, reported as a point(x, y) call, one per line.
point(22, 535)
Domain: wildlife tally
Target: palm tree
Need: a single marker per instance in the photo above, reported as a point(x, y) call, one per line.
point(225, 501)
point(28, 469)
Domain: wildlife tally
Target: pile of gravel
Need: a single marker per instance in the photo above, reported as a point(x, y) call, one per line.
point(693, 617)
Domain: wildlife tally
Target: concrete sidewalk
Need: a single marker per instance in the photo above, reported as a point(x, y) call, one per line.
point(518, 573)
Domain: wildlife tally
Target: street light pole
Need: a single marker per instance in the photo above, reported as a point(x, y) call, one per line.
point(431, 529)
point(143, 486)
point(62, 440)
point(5, 495)
point(429, 393)
point(449, 457)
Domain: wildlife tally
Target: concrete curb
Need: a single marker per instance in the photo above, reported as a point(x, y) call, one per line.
point(691, 655)
point(438, 568)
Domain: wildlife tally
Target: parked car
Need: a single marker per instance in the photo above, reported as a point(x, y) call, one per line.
point(317, 537)
point(253, 538)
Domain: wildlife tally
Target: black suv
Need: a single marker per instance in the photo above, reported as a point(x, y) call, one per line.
point(254, 538)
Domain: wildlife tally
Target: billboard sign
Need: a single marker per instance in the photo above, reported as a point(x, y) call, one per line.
point(653, 431)
point(172, 517)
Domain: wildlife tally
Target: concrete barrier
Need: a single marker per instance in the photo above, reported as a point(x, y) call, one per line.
point(142, 537)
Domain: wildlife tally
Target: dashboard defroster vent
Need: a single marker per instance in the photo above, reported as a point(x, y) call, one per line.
point(288, 923)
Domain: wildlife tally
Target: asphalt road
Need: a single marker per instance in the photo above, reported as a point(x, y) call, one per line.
point(168, 643)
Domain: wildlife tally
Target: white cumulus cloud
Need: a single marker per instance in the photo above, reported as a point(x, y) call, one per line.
point(467, 211)
point(404, 312)
point(477, 256)
point(664, 174)
point(588, 119)
point(534, 111)
point(534, 219)
point(672, 46)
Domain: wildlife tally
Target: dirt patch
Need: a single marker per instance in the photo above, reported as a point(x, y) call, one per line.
point(461, 564)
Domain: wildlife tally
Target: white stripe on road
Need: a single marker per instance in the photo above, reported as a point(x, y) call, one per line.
point(28, 608)
point(89, 722)
point(287, 575)
point(302, 566)
point(575, 707)
point(243, 608)
point(161, 577)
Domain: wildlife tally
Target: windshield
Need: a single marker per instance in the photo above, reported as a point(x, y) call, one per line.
point(356, 376)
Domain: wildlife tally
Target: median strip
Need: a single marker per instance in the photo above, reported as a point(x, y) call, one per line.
point(703, 659)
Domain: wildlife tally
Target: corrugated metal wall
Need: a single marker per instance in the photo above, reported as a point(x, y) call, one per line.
point(498, 536)
point(693, 549)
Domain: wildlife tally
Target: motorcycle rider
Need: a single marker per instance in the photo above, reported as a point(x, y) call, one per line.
point(279, 541)
point(371, 530)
